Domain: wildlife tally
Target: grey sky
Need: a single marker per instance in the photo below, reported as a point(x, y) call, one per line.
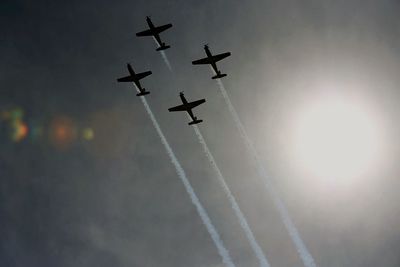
point(117, 201)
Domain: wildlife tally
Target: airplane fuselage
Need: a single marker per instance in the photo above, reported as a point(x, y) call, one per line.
point(136, 80)
point(208, 52)
point(131, 71)
point(150, 23)
point(213, 64)
point(155, 33)
point(184, 101)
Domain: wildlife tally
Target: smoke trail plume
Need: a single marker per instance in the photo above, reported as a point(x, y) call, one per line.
point(242, 220)
point(305, 255)
point(223, 252)
point(164, 56)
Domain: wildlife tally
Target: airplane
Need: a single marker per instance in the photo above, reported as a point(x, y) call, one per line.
point(188, 106)
point(135, 77)
point(155, 32)
point(212, 60)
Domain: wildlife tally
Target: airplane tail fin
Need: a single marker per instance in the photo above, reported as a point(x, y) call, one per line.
point(163, 47)
point(143, 93)
point(219, 75)
point(195, 121)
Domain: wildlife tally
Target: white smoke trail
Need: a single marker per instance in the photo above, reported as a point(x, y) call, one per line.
point(242, 220)
point(223, 252)
point(164, 56)
point(305, 255)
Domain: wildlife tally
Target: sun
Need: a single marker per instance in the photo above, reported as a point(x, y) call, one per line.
point(336, 138)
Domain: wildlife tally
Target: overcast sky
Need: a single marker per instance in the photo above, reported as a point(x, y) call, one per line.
point(116, 200)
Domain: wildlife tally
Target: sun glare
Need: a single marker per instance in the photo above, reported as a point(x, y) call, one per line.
point(336, 138)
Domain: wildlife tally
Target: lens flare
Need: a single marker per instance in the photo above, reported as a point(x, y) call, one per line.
point(62, 132)
point(20, 131)
point(18, 128)
point(88, 134)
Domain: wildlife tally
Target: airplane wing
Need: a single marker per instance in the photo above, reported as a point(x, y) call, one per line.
point(212, 59)
point(156, 30)
point(205, 60)
point(145, 33)
point(163, 28)
point(196, 103)
point(179, 108)
point(126, 79)
point(141, 75)
point(219, 57)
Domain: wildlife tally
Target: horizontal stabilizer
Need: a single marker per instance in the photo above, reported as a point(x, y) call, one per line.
point(163, 47)
point(195, 122)
point(143, 93)
point(219, 75)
